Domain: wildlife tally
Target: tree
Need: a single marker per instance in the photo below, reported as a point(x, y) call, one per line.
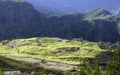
point(5, 42)
point(108, 69)
point(1, 72)
point(82, 69)
point(97, 68)
point(89, 69)
point(116, 62)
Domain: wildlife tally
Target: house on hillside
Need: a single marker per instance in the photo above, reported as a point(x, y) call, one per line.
point(7, 72)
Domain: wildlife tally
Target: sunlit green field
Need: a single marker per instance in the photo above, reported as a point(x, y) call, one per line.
point(51, 49)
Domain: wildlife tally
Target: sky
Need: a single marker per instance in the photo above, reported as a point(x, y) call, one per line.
point(69, 6)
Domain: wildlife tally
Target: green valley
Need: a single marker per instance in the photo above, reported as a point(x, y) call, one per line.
point(54, 53)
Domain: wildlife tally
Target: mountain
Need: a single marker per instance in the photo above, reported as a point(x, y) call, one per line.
point(17, 19)
point(107, 25)
point(21, 20)
point(96, 25)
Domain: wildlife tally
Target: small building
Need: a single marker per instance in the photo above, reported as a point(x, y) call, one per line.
point(7, 72)
point(15, 73)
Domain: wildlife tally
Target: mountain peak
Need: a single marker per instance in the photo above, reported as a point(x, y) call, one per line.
point(98, 13)
point(99, 9)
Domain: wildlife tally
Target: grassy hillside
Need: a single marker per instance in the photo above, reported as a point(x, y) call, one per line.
point(10, 64)
point(54, 49)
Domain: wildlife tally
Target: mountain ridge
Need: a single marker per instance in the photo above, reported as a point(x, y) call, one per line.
point(28, 22)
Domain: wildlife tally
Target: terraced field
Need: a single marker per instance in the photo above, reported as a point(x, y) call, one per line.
point(54, 49)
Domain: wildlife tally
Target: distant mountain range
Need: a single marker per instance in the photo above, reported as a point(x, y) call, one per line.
point(69, 6)
point(21, 20)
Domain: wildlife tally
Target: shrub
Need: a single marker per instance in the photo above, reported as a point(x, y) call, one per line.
point(68, 49)
point(1, 72)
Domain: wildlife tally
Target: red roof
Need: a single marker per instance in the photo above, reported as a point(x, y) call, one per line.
point(24, 74)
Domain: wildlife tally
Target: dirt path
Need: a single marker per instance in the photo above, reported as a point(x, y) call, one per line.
point(45, 64)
